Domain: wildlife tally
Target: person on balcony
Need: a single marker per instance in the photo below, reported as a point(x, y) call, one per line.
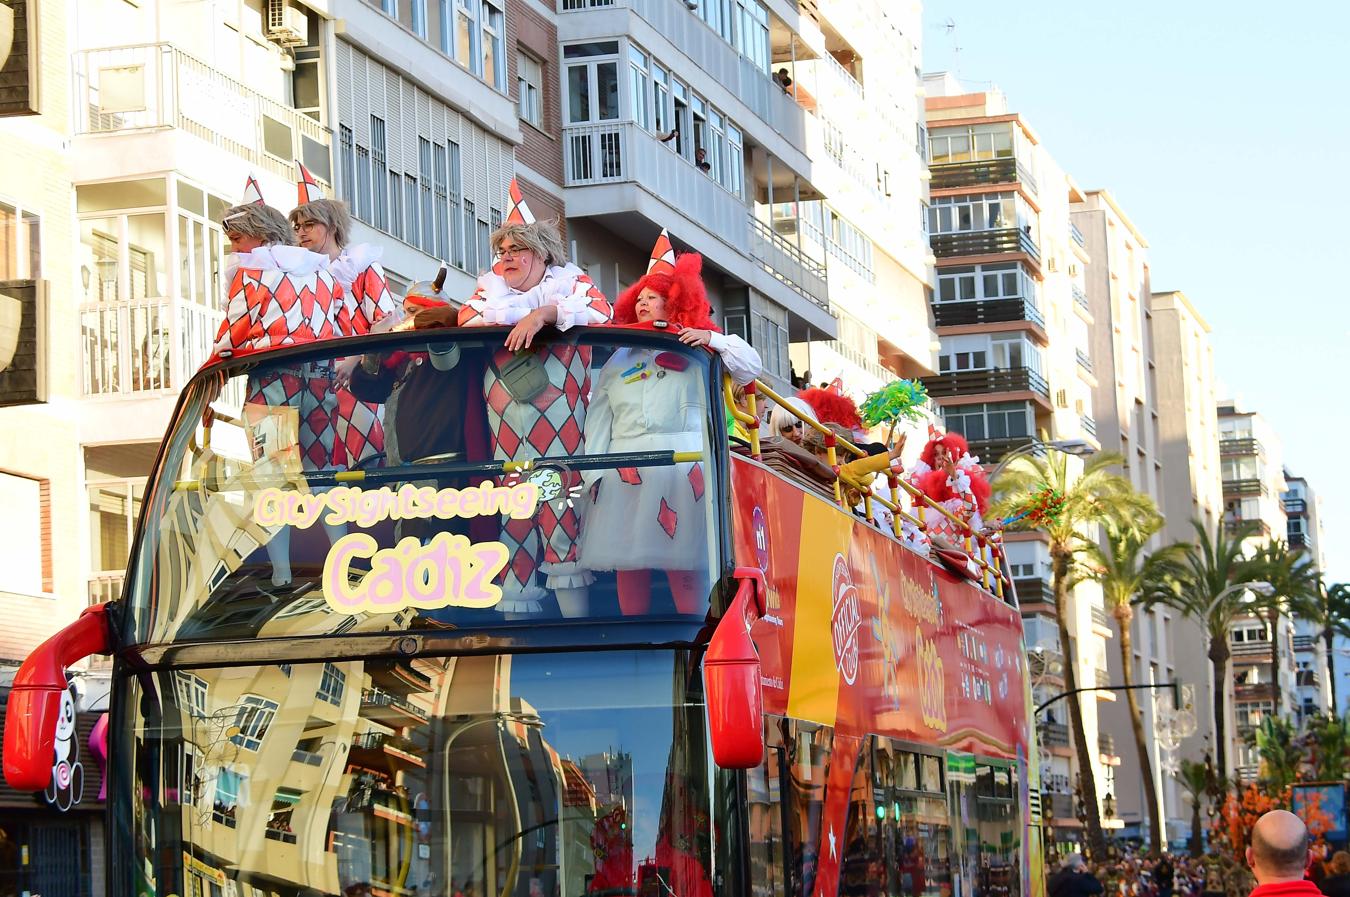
point(646, 399)
point(536, 395)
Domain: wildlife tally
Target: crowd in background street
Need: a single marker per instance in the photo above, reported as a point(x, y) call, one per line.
point(1181, 875)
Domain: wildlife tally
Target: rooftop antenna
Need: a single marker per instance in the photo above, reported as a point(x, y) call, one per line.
point(950, 27)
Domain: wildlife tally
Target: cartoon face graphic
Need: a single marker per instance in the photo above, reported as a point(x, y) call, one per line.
point(67, 782)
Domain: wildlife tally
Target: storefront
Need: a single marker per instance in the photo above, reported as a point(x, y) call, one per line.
point(48, 850)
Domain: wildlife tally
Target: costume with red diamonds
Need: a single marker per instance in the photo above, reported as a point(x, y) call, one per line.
point(964, 492)
point(546, 424)
point(647, 399)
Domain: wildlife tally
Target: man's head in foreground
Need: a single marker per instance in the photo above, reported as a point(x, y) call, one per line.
point(1279, 848)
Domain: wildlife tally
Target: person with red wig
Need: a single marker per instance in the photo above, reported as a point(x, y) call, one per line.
point(647, 399)
point(950, 476)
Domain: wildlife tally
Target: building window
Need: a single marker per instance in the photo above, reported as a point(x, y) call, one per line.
point(253, 718)
point(958, 214)
point(379, 175)
point(638, 82)
point(410, 208)
point(332, 684)
point(453, 214)
point(770, 338)
point(395, 204)
point(20, 243)
point(347, 161)
point(980, 282)
point(23, 549)
point(466, 34)
point(362, 206)
point(592, 86)
point(975, 143)
point(735, 179)
point(993, 420)
point(530, 89)
point(471, 260)
point(430, 244)
point(419, 18)
point(190, 691)
point(494, 46)
point(484, 244)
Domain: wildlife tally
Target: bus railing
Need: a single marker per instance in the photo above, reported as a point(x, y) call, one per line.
point(982, 550)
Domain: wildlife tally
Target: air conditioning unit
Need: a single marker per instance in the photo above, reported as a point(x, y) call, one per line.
point(1062, 398)
point(286, 24)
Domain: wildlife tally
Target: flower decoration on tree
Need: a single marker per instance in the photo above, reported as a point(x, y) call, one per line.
point(1041, 510)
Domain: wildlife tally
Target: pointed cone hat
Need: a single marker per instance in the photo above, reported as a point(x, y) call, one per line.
point(252, 193)
point(663, 256)
point(519, 213)
point(307, 189)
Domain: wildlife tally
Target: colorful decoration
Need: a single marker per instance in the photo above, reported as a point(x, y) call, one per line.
point(894, 402)
point(1041, 510)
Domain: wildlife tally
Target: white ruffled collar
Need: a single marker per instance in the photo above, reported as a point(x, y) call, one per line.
point(557, 278)
point(276, 257)
point(353, 261)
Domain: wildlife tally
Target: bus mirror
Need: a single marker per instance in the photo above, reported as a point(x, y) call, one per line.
point(35, 698)
point(731, 673)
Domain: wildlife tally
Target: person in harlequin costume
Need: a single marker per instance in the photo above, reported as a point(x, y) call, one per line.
point(536, 396)
point(948, 474)
point(324, 226)
point(645, 400)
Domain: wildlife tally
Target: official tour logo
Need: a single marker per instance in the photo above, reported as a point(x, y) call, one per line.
point(845, 620)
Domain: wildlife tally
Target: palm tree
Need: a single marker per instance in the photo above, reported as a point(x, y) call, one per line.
point(1294, 589)
point(1329, 738)
point(1095, 495)
point(1281, 756)
point(1194, 778)
point(1128, 573)
point(1329, 611)
point(1210, 569)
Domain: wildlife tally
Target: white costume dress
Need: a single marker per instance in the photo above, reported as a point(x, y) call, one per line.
point(652, 518)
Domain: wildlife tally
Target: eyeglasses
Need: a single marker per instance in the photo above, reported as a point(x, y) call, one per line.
point(512, 251)
point(788, 428)
point(304, 225)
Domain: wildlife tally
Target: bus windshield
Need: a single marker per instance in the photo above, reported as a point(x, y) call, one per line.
point(488, 775)
point(434, 480)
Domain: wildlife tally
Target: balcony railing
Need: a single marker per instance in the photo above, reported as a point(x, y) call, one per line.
point(1262, 691)
point(1089, 425)
point(1100, 617)
point(1029, 589)
point(1080, 297)
point(1106, 743)
point(976, 174)
point(623, 152)
point(1309, 678)
point(158, 86)
point(149, 345)
point(1259, 649)
point(1077, 235)
point(1240, 446)
point(714, 56)
point(1054, 734)
point(870, 365)
point(788, 263)
point(1249, 486)
point(1306, 642)
point(967, 383)
point(984, 242)
point(1297, 540)
point(1295, 506)
point(1084, 360)
point(986, 311)
point(378, 697)
point(309, 758)
point(1232, 525)
point(1103, 678)
point(105, 587)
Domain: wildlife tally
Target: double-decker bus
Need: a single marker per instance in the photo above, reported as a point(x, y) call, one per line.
point(327, 680)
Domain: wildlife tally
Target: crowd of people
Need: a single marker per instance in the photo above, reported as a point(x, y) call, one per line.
point(1279, 862)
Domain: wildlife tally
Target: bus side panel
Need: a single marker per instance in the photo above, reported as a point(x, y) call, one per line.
point(865, 635)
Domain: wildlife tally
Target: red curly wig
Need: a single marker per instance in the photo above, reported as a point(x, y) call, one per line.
point(832, 408)
point(934, 483)
point(686, 298)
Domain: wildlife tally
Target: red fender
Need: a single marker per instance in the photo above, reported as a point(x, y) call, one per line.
point(35, 698)
point(731, 673)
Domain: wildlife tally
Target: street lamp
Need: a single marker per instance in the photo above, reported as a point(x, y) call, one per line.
point(1079, 448)
point(1260, 587)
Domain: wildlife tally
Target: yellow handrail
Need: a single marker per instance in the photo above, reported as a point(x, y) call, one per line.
point(970, 538)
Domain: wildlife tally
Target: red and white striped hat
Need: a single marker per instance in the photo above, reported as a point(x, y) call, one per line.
point(307, 188)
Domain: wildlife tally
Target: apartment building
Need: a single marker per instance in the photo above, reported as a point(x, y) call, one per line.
point(1125, 397)
point(1302, 508)
point(1188, 446)
point(1016, 368)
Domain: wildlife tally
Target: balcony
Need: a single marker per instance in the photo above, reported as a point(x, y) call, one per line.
point(984, 242)
point(105, 587)
point(1247, 650)
point(1032, 589)
point(1106, 743)
point(1100, 617)
point(1077, 236)
point(1232, 525)
point(1263, 691)
point(972, 383)
point(1045, 663)
point(1054, 734)
point(690, 35)
point(1084, 360)
point(661, 184)
point(1297, 540)
point(1089, 425)
point(1102, 678)
point(139, 88)
point(1294, 505)
point(1060, 805)
point(987, 311)
point(1243, 446)
point(1080, 297)
point(1246, 486)
point(398, 678)
point(1306, 642)
point(1309, 679)
point(391, 709)
point(981, 173)
point(143, 346)
point(993, 450)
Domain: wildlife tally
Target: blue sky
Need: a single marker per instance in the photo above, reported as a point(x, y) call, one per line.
point(1222, 130)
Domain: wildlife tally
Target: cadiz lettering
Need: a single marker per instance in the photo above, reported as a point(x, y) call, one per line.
point(932, 684)
point(367, 507)
point(449, 571)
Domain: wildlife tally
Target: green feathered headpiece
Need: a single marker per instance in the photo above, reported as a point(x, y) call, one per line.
point(900, 400)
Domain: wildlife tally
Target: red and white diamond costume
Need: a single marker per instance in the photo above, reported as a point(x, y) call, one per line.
point(964, 494)
point(648, 399)
point(549, 425)
point(365, 288)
